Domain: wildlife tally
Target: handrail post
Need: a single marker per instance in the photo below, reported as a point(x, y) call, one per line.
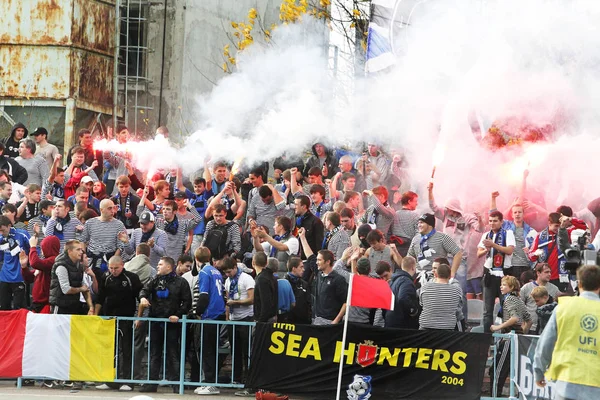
point(183, 353)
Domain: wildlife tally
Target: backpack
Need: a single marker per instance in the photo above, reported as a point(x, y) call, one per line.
point(216, 240)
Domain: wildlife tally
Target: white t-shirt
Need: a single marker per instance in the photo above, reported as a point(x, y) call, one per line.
point(510, 241)
point(292, 243)
point(239, 312)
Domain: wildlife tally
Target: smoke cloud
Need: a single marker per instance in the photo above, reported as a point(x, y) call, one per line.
point(521, 63)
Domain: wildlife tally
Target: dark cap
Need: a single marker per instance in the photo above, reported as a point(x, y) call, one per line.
point(429, 219)
point(180, 195)
point(40, 131)
point(146, 217)
point(364, 230)
point(46, 203)
point(363, 262)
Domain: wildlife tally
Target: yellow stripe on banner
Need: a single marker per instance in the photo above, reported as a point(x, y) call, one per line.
point(92, 349)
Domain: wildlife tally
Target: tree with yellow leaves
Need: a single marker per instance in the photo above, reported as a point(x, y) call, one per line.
point(352, 16)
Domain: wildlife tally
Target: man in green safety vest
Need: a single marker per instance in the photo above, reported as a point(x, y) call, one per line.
point(567, 351)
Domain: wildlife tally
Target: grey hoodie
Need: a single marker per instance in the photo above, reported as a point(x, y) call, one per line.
point(140, 265)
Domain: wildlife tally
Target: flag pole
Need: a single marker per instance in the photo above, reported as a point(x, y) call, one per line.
point(339, 383)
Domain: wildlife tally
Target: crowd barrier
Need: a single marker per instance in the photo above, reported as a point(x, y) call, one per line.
point(140, 373)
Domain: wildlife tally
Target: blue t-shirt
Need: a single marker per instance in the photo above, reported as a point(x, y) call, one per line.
point(10, 248)
point(210, 281)
point(200, 203)
point(286, 295)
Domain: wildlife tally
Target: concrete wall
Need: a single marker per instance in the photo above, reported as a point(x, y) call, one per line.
point(196, 32)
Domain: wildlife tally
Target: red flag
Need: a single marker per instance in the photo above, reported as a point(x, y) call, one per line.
point(371, 293)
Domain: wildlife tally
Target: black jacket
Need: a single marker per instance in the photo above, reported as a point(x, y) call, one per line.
point(266, 297)
point(132, 222)
point(406, 307)
point(12, 145)
point(118, 295)
point(315, 232)
point(302, 312)
point(168, 295)
point(330, 159)
point(15, 170)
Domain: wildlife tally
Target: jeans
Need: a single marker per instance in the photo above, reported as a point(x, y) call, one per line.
point(172, 351)
point(461, 277)
point(140, 352)
point(239, 348)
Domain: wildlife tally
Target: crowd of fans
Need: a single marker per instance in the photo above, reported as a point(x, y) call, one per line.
point(277, 242)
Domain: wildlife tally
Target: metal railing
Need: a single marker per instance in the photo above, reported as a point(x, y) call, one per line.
point(131, 338)
point(206, 337)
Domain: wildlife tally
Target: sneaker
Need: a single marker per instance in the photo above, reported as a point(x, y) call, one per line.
point(148, 389)
point(104, 386)
point(204, 390)
point(124, 388)
point(244, 393)
point(50, 384)
point(77, 386)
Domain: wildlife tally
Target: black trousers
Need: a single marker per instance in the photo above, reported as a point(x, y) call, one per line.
point(76, 309)
point(172, 351)
point(125, 341)
point(12, 296)
point(239, 347)
point(140, 352)
point(208, 337)
point(491, 291)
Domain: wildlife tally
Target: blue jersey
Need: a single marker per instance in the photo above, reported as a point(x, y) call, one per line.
point(285, 295)
point(210, 281)
point(200, 203)
point(10, 247)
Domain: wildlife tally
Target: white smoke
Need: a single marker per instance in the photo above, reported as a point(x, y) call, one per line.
point(536, 60)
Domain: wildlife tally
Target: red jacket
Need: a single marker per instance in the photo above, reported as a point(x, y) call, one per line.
point(41, 283)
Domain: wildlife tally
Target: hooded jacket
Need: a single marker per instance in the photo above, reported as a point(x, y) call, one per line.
point(12, 145)
point(16, 172)
point(330, 159)
point(41, 282)
point(405, 313)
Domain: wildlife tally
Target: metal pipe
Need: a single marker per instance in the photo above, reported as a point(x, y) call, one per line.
point(116, 64)
point(162, 68)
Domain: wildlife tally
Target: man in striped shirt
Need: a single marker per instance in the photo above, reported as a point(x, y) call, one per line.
point(266, 206)
point(103, 236)
point(62, 225)
point(430, 244)
point(380, 215)
point(441, 300)
point(407, 220)
point(336, 239)
point(177, 229)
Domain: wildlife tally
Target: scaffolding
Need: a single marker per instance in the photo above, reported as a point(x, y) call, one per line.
point(132, 104)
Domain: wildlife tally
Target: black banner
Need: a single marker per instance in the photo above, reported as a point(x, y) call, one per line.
point(525, 378)
point(383, 363)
